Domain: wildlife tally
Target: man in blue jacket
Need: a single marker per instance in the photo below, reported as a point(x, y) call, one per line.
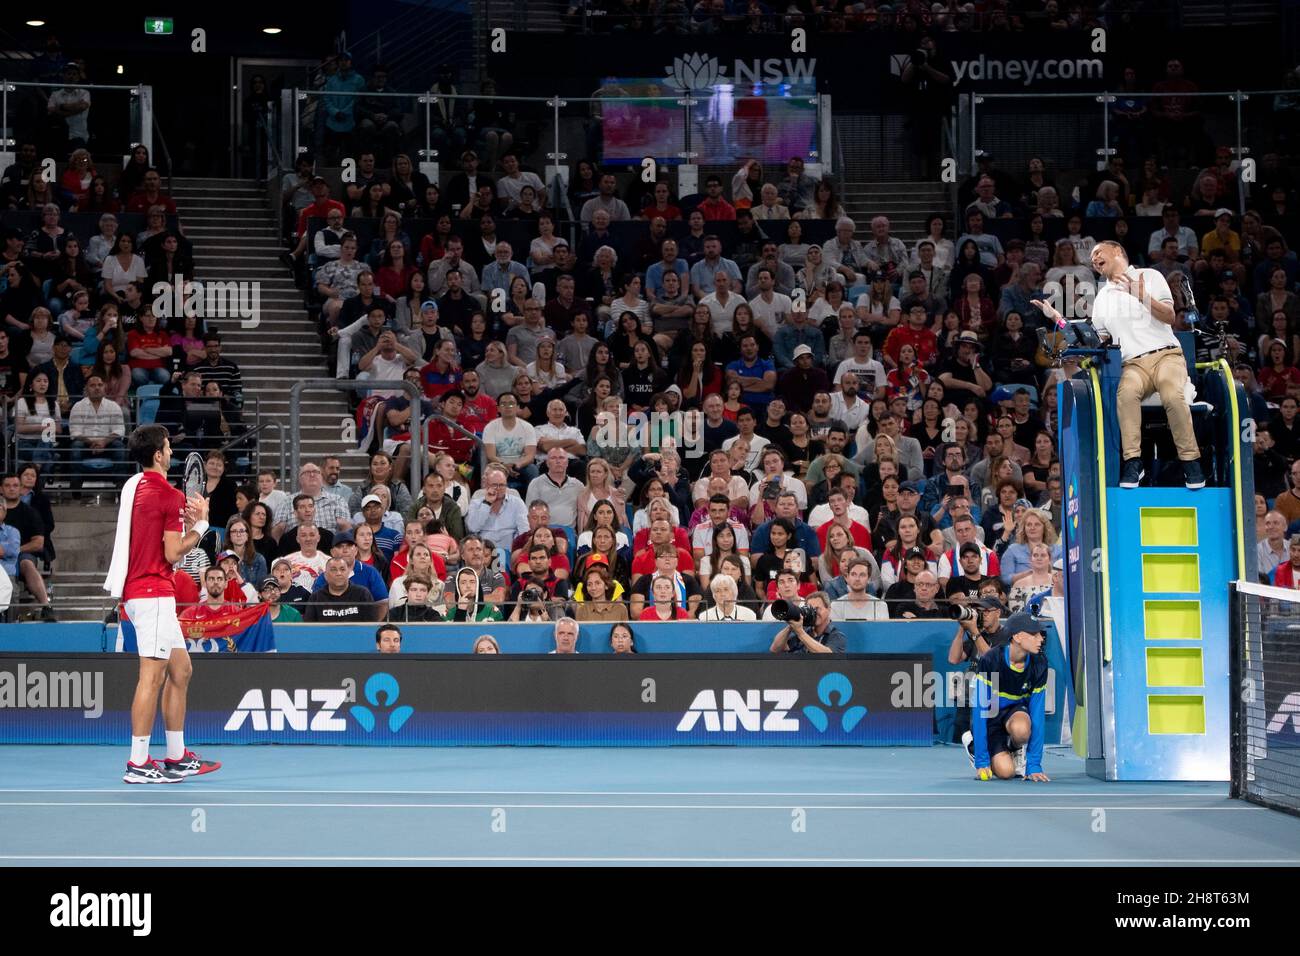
point(1010, 685)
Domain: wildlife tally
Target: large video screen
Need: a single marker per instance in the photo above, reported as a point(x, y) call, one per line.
point(767, 122)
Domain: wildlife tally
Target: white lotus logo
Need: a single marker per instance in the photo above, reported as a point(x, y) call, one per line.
point(695, 71)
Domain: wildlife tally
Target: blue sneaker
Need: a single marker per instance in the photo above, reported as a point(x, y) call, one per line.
point(1131, 473)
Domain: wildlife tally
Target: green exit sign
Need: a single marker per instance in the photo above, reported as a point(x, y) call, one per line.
point(158, 26)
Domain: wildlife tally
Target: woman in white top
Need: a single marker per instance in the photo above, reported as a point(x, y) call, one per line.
point(602, 520)
point(943, 250)
point(541, 252)
point(122, 267)
point(631, 301)
point(794, 250)
point(32, 410)
point(456, 488)
point(1028, 583)
point(657, 506)
point(544, 370)
point(831, 303)
point(419, 564)
point(100, 246)
point(1150, 204)
point(40, 338)
point(825, 204)
point(724, 591)
point(601, 501)
point(878, 305)
point(1065, 262)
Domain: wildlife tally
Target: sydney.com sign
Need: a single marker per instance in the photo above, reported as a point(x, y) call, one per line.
point(988, 70)
point(598, 700)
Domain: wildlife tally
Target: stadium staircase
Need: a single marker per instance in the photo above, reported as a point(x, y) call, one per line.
point(907, 204)
point(1218, 14)
point(235, 238)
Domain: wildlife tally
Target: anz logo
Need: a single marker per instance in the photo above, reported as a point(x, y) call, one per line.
point(834, 691)
point(745, 710)
point(289, 710)
point(282, 710)
point(381, 693)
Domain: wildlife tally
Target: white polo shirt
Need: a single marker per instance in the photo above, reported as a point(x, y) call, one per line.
point(1128, 322)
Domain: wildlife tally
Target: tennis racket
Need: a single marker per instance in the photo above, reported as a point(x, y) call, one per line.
point(194, 475)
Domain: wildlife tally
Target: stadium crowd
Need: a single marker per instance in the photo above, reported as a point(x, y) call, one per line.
point(641, 405)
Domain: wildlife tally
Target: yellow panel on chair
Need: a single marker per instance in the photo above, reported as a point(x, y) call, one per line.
point(1176, 714)
point(1168, 527)
point(1173, 620)
point(1171, 573)
point(1175, 667)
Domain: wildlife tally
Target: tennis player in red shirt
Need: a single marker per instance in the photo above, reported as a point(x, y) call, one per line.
point(156, 528)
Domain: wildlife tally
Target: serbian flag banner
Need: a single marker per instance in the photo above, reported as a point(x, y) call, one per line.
point(244, 629)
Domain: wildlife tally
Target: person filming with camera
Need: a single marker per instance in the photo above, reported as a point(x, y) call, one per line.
point(808, 627)
point(979, 629)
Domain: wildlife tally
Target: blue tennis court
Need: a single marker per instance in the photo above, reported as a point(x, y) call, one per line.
point(380, 806)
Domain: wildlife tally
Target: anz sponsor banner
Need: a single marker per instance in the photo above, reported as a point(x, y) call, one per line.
point(633, 701)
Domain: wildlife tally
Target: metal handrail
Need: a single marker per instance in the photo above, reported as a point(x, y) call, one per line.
point(162, 142)
point(83, 86)
point(457, 426)
point(279, 426)
point(348, 385)
point(673, 99)
point(1149, 94)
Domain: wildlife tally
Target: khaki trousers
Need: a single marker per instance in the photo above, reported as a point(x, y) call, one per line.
point(1166, 373)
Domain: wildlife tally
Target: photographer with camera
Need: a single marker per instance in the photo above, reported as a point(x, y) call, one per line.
point(979, 628)
point(808, 627)
point(540, 585)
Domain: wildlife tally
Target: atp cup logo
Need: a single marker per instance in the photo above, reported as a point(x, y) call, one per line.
point(695, 71)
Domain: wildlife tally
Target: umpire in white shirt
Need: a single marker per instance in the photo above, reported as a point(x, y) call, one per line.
point(1135, 310)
